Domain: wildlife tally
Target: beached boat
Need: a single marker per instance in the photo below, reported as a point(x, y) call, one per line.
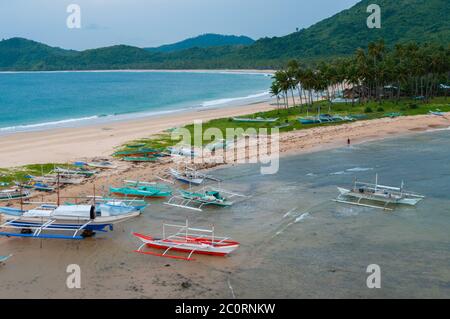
point(189, 176)
point(79, 220)
point(143, 159)
point(83, 172)
point(187, 240)
point(181, 151)
point(361, 193)
point(207, 196)
point(255, 120)
point(43, 187)
point(437, 113)
point(4, 259)
point(324, 118)
point(142, 189)
point(13, 194)
point(123, 204)
point(142, 152)
point(102, 165)
point(58, 179)
point(393, 114)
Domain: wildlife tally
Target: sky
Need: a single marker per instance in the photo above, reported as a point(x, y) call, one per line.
point(148, 23)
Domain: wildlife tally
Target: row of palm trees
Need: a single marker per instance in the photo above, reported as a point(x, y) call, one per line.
point(374, 74)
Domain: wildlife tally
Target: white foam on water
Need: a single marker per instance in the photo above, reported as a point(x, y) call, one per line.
point(339, 173)
point(235, 99)
point(359, 169)
point(302, 217)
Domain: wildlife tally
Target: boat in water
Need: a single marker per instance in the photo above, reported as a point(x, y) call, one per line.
point(187, 240)
point(207, 196)
point(367, 194)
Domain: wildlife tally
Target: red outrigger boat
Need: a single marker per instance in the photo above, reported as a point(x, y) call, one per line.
point(202, 242)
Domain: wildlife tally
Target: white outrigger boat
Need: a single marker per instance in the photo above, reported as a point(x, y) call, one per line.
point(79, 220)
point(377, 193)
point(207, 196)
point(102, 165)
point(191, 176)
point(71, 179)
point(14, 194)
point(187, 240)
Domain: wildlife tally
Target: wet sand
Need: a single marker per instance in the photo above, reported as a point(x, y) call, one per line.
point(301, 246)
point(109, 267)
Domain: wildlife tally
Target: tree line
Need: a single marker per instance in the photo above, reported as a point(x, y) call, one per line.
point(374, 74)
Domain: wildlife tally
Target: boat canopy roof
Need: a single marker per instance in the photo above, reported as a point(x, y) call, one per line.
point(82, 211)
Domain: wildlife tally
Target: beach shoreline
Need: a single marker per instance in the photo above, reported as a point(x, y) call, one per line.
point(65, 145)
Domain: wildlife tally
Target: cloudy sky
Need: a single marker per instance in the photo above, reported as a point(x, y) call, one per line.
point(146, 23)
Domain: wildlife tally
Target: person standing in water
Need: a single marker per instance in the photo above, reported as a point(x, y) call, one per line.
point(348, 142)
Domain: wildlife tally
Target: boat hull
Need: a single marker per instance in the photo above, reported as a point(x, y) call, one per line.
point(413, 201)
point(192, 246)
point(102, 220)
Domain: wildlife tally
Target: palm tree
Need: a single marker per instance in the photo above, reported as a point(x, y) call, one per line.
point(276, 91)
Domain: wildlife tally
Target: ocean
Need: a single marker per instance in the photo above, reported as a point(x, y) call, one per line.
point(295, 241)
point(41, 100)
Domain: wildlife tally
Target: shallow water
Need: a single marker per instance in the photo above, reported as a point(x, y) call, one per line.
point(41, 100)
point(296, 242)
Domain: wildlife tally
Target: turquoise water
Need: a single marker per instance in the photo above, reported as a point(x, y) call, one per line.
point(40, 100)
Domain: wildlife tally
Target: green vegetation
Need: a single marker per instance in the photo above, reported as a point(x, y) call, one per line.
point(18, 174)
point(374, 74)
point(204, 41)
point(403, 21)
point(407, 107)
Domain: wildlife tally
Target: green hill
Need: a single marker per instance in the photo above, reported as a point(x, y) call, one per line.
point(339, 35)
point(204, 41)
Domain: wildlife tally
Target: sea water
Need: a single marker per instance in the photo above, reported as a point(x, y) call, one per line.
point(40, 100)
point(295, 241)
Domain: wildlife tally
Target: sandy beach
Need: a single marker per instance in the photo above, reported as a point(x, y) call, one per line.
point(111, 270)
point(65, 145)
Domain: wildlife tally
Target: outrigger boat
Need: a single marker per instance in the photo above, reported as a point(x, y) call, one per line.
point(324, 118)
point(187, 240)
point(143, 159)
point(120, 205)
point(43, 187)
point(137, 152)
point(13, 194)
point(79, 220)
point(437, 113)
point(83, 172)
point(255, 120)
point(208, 196)
point(142, 189)
point(4, 259)
point(191, 176)
point(58, 178)
point(102, 165)
point(377, 193)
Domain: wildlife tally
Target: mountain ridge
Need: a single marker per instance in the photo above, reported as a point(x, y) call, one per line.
point(339, 35)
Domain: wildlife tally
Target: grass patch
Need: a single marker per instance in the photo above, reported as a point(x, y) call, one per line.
point(372, 110)
point(18, 174)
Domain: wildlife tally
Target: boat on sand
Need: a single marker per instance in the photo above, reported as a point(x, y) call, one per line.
point(187, 240)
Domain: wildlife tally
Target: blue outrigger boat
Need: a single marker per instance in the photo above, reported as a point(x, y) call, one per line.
point(61, 222)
